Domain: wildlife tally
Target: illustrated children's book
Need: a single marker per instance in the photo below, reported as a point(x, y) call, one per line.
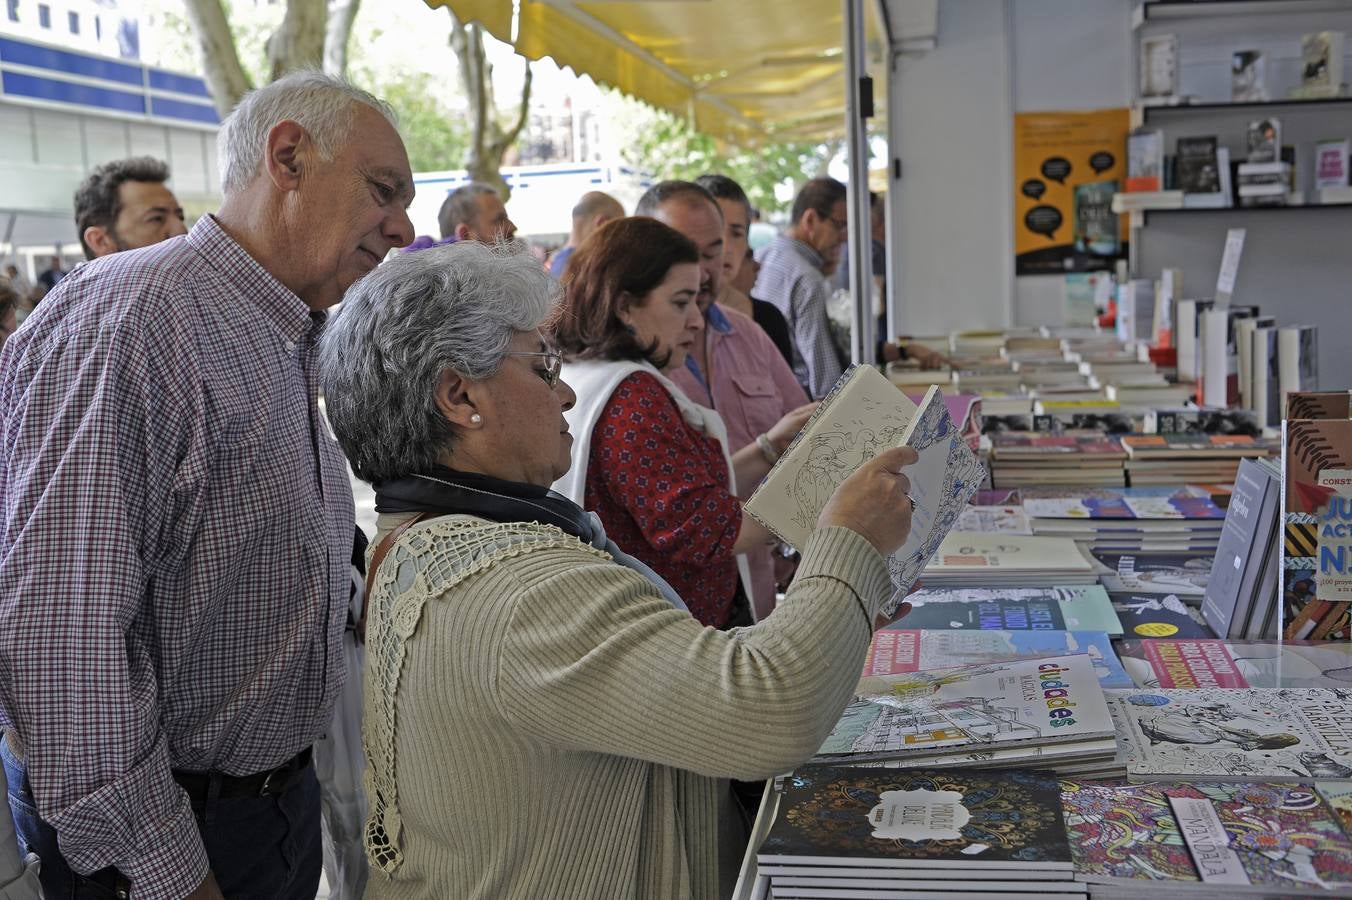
point(863, 415)
point(956, 710)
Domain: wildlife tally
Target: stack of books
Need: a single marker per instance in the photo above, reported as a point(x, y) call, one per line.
point(1164, 459)
point(878, 833)
point(971, 559)
point(1021, 459)
point(1127, 519)
point(1048, 712)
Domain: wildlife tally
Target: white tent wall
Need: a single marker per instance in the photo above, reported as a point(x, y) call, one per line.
point(950, 216)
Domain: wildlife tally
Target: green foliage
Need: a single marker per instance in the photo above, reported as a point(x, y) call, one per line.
point(436, 138)
point(660, 143)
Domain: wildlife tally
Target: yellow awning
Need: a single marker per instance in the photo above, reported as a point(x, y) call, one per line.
point(740, 69)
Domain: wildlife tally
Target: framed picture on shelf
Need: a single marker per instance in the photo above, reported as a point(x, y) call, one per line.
point(1159, 67)
point(1248, 77)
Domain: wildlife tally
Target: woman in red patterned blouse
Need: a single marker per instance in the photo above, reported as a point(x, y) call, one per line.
point(648, 460)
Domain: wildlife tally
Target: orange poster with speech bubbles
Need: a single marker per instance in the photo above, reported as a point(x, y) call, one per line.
point(1067, 166)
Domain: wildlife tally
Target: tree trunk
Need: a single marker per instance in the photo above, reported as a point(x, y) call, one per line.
point(489, 141)
point(220, 60)
point(342, 13)
point(299, 41)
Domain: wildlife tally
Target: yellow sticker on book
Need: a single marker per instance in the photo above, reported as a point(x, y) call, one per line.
point(1156, 629)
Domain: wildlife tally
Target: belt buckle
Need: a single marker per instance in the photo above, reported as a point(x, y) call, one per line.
point(273, 782)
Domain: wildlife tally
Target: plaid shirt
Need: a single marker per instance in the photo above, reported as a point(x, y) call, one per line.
point(791, 278)
point(175, 536)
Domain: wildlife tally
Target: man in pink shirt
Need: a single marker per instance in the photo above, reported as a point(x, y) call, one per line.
point(736, 369)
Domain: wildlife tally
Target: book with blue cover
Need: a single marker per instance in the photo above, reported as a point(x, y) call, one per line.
point(1072, 607)
point(1157, 616)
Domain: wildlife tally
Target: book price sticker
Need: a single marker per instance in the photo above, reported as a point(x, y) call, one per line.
point(1225, 280)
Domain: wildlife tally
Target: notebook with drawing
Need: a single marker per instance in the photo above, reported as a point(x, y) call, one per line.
point(863, 415)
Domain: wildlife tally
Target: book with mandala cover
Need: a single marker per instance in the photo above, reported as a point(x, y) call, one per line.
point(1241, 838)
point(952, 819)
point(863, 415)
point(1235, 734)
point(955, 710)
point(898, 651)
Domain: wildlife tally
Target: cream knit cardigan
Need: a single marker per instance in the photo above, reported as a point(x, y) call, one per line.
point(541, 723)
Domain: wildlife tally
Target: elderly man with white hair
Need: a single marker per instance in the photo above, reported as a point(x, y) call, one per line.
point(176, 522)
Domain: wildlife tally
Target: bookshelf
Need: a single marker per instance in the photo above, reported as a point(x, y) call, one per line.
point(1162, 10)
point(1289, 268)
point(1148, 111)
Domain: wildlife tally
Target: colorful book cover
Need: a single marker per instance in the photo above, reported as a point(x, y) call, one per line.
point(1157, 616)
point(1183, 574)
point(897, 651)
point(1316, 547)
point(1186, 664)
point(1237, 733)
point(1258, 664)
point(863, 415)
point(1085, 608)
point(919, 819)
point(1121, 503)
point(1275, 835)
point(958, 709)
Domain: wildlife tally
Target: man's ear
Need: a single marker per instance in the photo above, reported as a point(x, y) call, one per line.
point(100, 240)
point(454, 400)
point(286, 154)
point(462, 232)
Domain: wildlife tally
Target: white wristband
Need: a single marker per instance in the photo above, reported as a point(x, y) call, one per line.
point(767, 449)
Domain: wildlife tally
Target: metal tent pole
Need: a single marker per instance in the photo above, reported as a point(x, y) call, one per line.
point(859, 109)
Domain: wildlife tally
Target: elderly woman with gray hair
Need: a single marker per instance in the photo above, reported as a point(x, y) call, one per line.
point(543, 718)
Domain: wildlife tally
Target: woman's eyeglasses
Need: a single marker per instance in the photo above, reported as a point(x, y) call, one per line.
point(553, 363)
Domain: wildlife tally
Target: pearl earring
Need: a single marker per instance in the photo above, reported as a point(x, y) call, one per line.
point(475, 418)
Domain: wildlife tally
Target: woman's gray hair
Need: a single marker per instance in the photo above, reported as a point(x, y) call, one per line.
point(450, 307)
point(321, 104)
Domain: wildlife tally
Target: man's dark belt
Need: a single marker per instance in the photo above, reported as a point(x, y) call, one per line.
point(262, 784)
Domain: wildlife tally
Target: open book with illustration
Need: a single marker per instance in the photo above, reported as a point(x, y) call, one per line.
point(863, 415)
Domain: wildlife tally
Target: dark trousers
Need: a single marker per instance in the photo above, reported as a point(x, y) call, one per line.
point(259, 848)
